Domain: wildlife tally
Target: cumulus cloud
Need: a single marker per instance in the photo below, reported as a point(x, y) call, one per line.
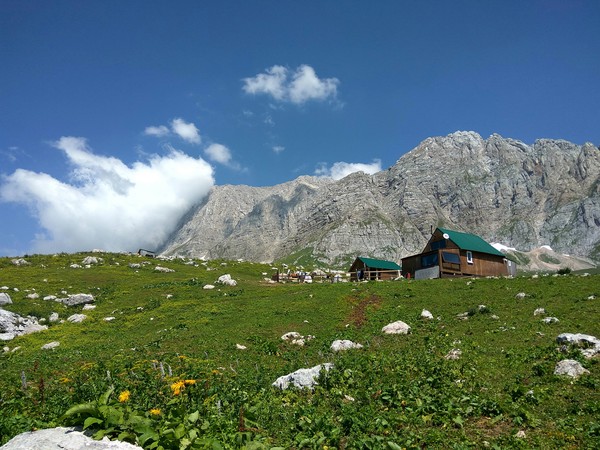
point(341, 169)
point(218, 153)
point(186, 131)
point(107, 204)
point(278, 149)
point(296, 87)
point(157, 131)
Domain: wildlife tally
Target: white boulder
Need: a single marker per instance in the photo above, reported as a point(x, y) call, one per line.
point(63, 439)
point(227, 280)
point(77, 299)
point(12, 325)
point(5, 299)
point(50, 345)
point(426, 315)
point(76, 318)
point(570, 368)
point(340, 345)
point(20, 262)
point(89, 260)
point(550, 320)
point(397, 327)
point(590, 344)
point(302, 378)
point(291, 335)
point(539, 312)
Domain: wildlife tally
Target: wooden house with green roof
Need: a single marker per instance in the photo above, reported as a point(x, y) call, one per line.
point(453, 253)
point(373, 269)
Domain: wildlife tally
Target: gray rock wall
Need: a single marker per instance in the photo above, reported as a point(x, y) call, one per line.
point(523, 196)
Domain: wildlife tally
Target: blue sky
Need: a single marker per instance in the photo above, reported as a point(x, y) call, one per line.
point(117, 116)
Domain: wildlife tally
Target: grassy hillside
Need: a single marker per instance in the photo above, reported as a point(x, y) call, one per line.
point(175, 379)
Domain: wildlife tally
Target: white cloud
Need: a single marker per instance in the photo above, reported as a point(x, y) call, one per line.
point(271, 83)
point(218, 153)
point(159, 131)
point(341, 169)
point(186, 131)
point(307, 86)
point(108, 204)
point(278, 149)
point(298, 87)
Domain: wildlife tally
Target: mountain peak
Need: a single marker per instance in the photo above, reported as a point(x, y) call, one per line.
point(499, 188)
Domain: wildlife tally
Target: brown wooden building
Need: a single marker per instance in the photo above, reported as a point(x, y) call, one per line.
point(373, 269)
point(452, 253)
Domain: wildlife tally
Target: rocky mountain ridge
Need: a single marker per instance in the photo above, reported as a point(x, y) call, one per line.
point(501, 189)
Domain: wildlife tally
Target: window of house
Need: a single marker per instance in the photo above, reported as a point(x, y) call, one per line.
point(469, 257)
point(452, 258)
point(429, 260)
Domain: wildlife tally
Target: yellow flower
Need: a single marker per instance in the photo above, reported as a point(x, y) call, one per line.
point(189, 382)
point(155, 412)
point(124, 396)
point(177, 387)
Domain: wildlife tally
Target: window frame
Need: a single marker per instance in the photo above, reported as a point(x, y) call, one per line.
point(469, 257)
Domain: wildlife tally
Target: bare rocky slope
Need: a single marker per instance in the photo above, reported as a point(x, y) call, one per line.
point(522, 196)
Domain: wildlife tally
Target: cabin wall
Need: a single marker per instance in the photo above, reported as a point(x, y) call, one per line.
point(483, 265)
point(410, 265)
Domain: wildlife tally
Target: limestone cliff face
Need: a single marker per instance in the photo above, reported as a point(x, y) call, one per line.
point(501, 189)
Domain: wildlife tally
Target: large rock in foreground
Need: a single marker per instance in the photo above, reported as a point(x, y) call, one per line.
point(62, 439)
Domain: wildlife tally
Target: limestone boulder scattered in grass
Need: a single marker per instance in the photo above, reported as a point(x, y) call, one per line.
point(397, 327)
point(344, 344)
point(302, 378)
point(63, 439)
point(570, 368)
point(5, 299)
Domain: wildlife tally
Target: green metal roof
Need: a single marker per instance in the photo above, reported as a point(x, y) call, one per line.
point(380, 263)
point(472, 242)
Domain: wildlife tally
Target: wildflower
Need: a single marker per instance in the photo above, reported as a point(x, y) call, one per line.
point(155, 412)
point(124, 396)
point(189, 382)
point(177, 387)
point(65, 380)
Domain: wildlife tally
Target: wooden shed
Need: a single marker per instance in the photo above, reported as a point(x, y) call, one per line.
point(373, 269)
point(454, 253)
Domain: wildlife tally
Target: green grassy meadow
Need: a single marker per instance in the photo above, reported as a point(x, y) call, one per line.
point(166, 373)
